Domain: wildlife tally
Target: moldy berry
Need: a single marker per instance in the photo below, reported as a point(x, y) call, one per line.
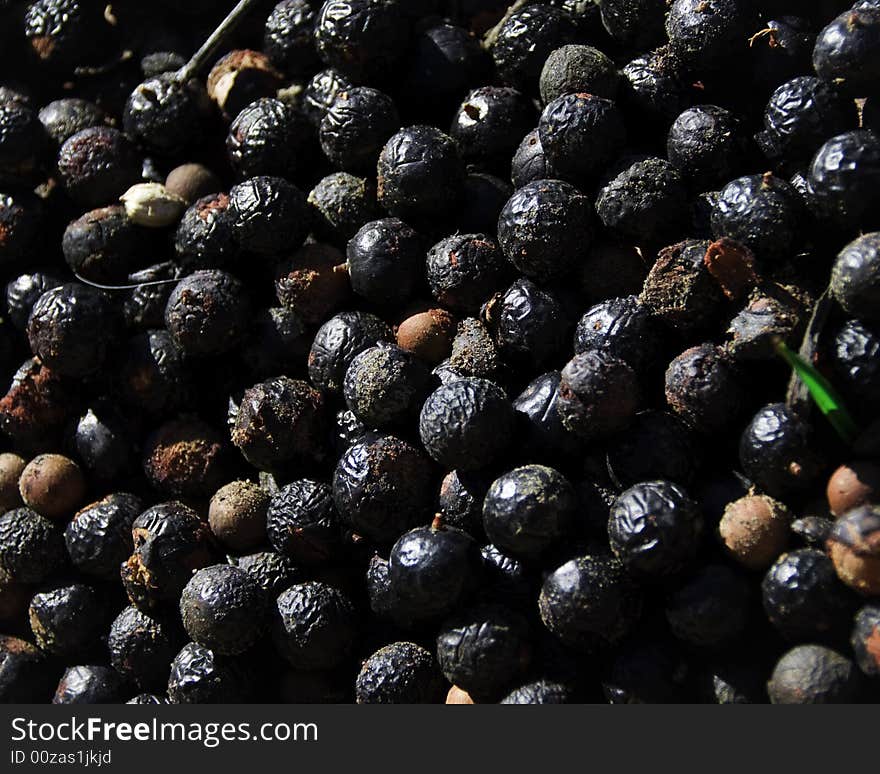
point(341, 203)
point(237, 515)
point(813, 674)
point(382, 486)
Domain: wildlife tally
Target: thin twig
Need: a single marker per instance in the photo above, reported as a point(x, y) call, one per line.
point(133, 286)
point(491, 36)
point(206, 53)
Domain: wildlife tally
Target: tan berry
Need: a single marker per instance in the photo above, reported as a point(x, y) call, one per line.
point(11, 466)
point(854, 545)
point(237, 515)
point(52, 485)
point(853, 485)
point(428, 335)
point(755, 529)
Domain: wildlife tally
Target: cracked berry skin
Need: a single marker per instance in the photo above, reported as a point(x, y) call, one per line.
point(545, 228)
point(420, 176)
point(142, 648)
point(707, 143)
point(364, 39)
point(580, 135)
point(656, 87)
point(302, 523)
point(708, 35)
point(528, 323)
point(804, 599)
point(23, 675)
point(542, 434)
point(273, 572)
point(400, 673)
point(280, 421)
point(529, 510)
point(383, 486)
point(24, 145)
point(843, 175)
point(205, 235)
point(200, 676)
point(164, 115)
point(65, 117)
point(703, 389)
point(762, 212)
point(647, 202)
point(814, 674)
point(104, 245)
point(356, 127)
point(268, 138)
point(223, 608)
point(490, 123)
point(31, 547)
point(24, 291)
point(855, 277)
point(321, 92)
point(802, 113)
point(98, 165)
point(98, 537)
point(484, 650)
point(540, 692)
point(588, 601)
point(776, 451)
point(432, 571)
point(269, 215)
point(855, 355)
point(386, 262)
point(578, 69)
point(467, 424)
point(624, 328)
point(90, 684)
point(525, 41)
point(71, 329)
point(313, 626)
point(848, 51)
point(207, 313)
point(68, 621)
point(864, 639)
point(22, 216)
point(338, 341)
point(287, 37)
point(598, 395)
point(171, 541)
point(710, 609)
point(464, 270)
point(655, 528)
point(658, 445)
point(385, 386)
point(341, 204)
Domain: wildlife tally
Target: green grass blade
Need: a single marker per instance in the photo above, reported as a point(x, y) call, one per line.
point(825, 396)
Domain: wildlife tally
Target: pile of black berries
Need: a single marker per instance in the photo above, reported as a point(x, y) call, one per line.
point(430, 351)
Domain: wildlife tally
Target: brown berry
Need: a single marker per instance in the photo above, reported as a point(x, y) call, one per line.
point(11, 466)
point(754, 529)
point(52, 485)
point(241, 77)
point(237, 515)
point(428, 335)
point(853, 485)
point(854, 545)
point(192, 181)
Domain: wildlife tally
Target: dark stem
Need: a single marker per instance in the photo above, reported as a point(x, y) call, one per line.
point(798, 397)
point(209, 48)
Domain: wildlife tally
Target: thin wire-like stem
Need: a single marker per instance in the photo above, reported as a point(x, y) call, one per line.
point(209, 48)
